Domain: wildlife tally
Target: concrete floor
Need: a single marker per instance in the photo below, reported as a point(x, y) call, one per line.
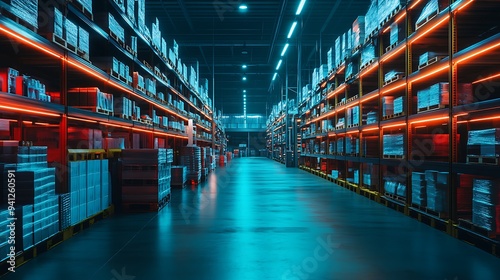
point(256, 219)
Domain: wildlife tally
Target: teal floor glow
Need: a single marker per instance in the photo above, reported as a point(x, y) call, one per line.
point(256, 220)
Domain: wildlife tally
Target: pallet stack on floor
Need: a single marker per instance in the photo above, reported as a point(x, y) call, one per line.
point(146, 175)
point(191, 158)
point(34, 202)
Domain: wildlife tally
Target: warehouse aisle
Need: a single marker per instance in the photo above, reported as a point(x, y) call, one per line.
point(256, 219)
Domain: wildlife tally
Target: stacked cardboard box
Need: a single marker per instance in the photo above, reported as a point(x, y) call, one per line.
point(386, 7)
point(27, 10)
point(83, 40)
point(146, 176)
point(371, 117)
point(432, 7)
point(371, 18)
point(393, 145)
point(330, 61)
point(367, 54)
point(90, 98)
point(351, 145)
point(338, 52)
point(358, 31)
point(398, 105)
point(150, 85)
point(437, 190)
point(387, 106)
point(130, 10)
point(484, 142)
point(31, 88)
point(486, 204)
point(418, 189)
point(340, 146)
point(394, 37)
point(123, 106)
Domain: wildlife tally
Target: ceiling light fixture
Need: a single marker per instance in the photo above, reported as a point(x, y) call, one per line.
point(301, 6)
point(243, 7)
point(292, 29)
point(279, 64)
point(244, 66)
point(244, 90)
point(244, 78)
point(275, 75)
point(285, 49)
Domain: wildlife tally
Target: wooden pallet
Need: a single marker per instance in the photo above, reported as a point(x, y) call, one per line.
point(389, 48)
point(148, 65)
point(83, 54)
point(123, 79)
point(366, 65)
point(122, 116)
point(57, 40)
point(352, 125)
point(18, 20)
point(430, 212)
point(140, 89)
point(114, 74)
point(430, 108)
point(393, 156)
point(71, 48)
point(146, 122)
point(82, 9)
point(357, 48)
point(393, 79)
point(130, 50)
point(426, 20)
point(352, 98)
point(491, 160)
point(117, 39)
point(431, 61)
point(468, 225)
point(393, 116)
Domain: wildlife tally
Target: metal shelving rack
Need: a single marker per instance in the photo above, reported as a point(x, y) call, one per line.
point(463, 31)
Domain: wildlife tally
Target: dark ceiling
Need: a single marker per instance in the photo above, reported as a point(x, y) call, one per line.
point(216, 33)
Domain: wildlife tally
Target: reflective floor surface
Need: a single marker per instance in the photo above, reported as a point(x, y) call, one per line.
point(255, 219)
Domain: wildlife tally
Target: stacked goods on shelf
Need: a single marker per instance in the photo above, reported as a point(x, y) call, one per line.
point(393, 145)
point(387, 106)
point(330, 61)
point(486, 204)
point(123, 107)
point(358, 32)
point(371, 19)
point(392, 76)
point(371, 117)
point(150, 86)
point(483, 146)
point(71, 34)
point(395, 186)
point(138, 82)
point(352, 116)
point(340, 146)
point(322, 72)
point(88, 188)
point(398, 105)
point(437, 190)
point(349, 72)
point(191, 158)
point(386, 8)
point(338, 52)
point(8, 78)
point(352, 145)
point(428, 57)
point(38, 218)
point(371, 176)
point(116, 30)
point(179, 176)
point(27, 10)
point(92, 99)
point(430, 9)
point(146, 178)
point(368, 55)
point(335, 174)
point(394, 37)
point(82, 138)
point(340, 123)
point(418, 189)
point(86, 4)
point(83, 41)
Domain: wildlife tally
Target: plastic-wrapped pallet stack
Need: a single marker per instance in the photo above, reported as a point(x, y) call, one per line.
point(340, 146)
point(26, 10)
point(398, 105)
point(358, 31)
point(486, 204)
point(437, 187)
point(439, 94)
point(146, 178)
point(367, 54)
point(37, 205)
point(387, 106)
point(418, 189)
point(432, 7)
point(179, 176)
point(393, 145)
point(191, 158)
point(371, 117)
point(371, 18)
point(484, 143)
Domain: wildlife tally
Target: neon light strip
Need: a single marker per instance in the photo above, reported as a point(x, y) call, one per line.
point(465, 5)
point(430, 120)
point(394, 88)
point(430, 74)
point(394, 125)
point(414, 4)
point(29, 111)
point(485, 79)
point(337, 90)
point(81, 120)
point(370, 129)
point(394, 53)
point(370, 98)
point(447, 17)
point(369, 69)
point(478, 53)
point(485, 119)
